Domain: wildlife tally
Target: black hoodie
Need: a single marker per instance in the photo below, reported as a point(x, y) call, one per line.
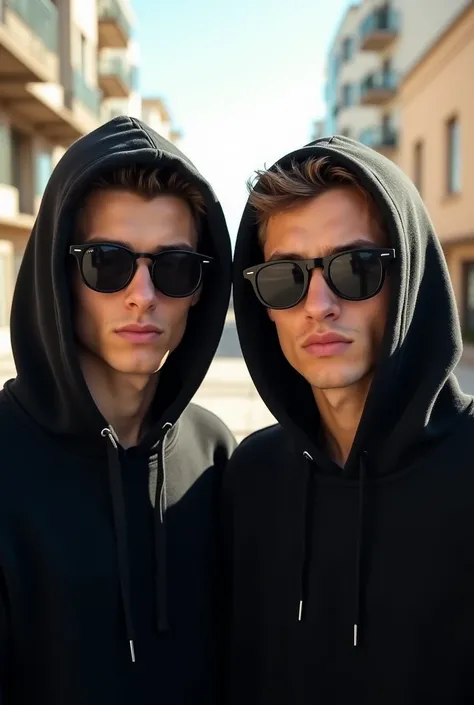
point(356, 585)
point(108, 558)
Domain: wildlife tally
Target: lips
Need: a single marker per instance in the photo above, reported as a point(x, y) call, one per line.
point(326, 345)
point(137, 328)
point(325, 339)
point(136, 333)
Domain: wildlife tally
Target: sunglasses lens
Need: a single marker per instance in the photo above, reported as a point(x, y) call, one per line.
point(107, 268)
point(356, 275)
point(177, 274)
point(280, 284)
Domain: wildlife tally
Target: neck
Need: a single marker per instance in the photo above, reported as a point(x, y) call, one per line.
point(122, 399)
point(341, 411)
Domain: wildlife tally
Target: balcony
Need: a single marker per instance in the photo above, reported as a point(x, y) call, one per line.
point(114, 27)
point(89, 97)
point(29, 32)
point(382, 138)
point(378, 88)
point(115, 77)
point(379, 29)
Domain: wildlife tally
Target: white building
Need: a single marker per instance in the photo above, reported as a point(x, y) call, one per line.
point(375, 45)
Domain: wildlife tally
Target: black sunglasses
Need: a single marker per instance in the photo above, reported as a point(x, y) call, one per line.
point(107, 268)
point(353, 275)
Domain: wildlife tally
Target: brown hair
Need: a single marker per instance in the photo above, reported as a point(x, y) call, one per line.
point(282, 189)
point(149, 183)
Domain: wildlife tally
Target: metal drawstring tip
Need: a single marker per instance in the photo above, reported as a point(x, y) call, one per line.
point(356, 629)
point(132, 651)
point(300, 613)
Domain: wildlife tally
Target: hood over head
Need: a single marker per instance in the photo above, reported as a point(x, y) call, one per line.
point(50, 385)
point(414, 397)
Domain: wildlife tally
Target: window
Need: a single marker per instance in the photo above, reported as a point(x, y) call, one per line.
point(17, 141)
point(347, 49)
point(6, 263)
point(22, 169)
point(83, 55)
point(468, 301)
point(5, 154)
point(44, 167)
point(3, 291)
point(453, 139)
point(418, 165)
point(348, 95)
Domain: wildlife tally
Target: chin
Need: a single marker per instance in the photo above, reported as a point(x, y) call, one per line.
point(137, 364)
point(335, 375)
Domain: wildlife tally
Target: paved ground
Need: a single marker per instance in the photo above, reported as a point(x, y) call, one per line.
point(229, 346)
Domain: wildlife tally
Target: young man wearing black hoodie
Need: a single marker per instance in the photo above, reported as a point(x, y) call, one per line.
point(349, 524)
point(109, 479)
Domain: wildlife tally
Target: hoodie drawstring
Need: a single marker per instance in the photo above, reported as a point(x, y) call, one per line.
point(359, 555)
point(120, 528)
point(161, 558)
point(308, 536)
point(121, 538)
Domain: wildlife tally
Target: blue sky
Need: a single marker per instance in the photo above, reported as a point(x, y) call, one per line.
point(244, 80)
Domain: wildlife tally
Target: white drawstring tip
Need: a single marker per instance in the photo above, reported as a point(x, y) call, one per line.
point(132, 651)
point(356, 635)
point(300, 613)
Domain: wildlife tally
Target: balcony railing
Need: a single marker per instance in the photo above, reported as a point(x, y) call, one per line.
point(379, 136)
point(112, 10)
point(115, 66)
point(41, 16)
point(87, 95)
point(378, 84)
point(385, 19)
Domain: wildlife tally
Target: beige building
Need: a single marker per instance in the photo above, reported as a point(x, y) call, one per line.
point(156, 114)
point(435, 103)
point(376, 44)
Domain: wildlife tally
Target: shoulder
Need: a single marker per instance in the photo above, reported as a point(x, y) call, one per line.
point(271, 441)
point(14, 429)
point(262, 453)
point(205, 427)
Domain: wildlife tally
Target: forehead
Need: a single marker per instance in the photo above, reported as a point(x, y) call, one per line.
point(331, 220)
point(142, 224)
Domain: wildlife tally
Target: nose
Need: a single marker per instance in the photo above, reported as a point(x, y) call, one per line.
point(321, 303)
point(141, 293)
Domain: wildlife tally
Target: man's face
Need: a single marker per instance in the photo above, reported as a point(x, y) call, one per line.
point(125, 218)
point(335, 219)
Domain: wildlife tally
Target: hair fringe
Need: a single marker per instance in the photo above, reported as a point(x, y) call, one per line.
point(279, 189)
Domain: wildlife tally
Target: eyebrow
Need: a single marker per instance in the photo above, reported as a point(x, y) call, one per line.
point(123, 243)
point(360, 243)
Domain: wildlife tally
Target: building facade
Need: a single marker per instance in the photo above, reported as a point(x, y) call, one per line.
point(375, 45)
point(435, 103)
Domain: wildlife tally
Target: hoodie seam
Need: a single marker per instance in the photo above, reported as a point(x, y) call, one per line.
point(146, 134)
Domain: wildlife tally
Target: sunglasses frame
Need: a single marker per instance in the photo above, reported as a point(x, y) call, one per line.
point(78, 252)
point(385, 254)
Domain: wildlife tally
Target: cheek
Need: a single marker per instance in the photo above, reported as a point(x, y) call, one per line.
point(368, 317)
point(86, 314)
point(174, 315)
point(285, 327)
